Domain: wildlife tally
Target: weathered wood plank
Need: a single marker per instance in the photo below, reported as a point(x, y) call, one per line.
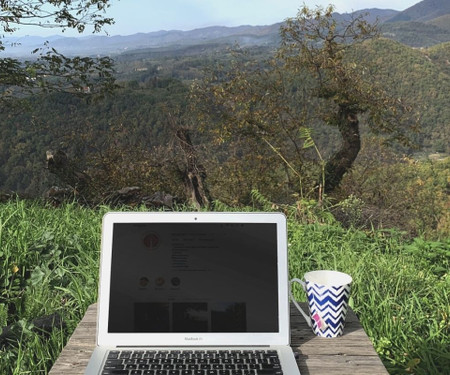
point(351, 353)
point(334, 365)
point(75, 356)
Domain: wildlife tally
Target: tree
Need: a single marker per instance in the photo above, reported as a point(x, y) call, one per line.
point(49, 69)
point(316, 42)
point(313, 80)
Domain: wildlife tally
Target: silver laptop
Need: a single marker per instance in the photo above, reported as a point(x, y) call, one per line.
point(193, 294)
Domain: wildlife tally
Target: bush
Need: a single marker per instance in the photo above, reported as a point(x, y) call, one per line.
point(407, 194)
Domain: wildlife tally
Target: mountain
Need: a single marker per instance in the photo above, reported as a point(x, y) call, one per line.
point(114, 45)
point(443, 22)
point(415, 34)
point(424, 11)
point(373, 14)
point(425, 24)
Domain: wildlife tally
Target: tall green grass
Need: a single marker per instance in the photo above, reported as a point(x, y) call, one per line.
point(48, 264)
point(400, 290)
point(49, 260)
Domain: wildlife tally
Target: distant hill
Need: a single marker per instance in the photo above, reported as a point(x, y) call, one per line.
point(415, 34)
point(443, 22)
point(372, 15)
point(424, 11)
point(424, 24)
point(114, 45)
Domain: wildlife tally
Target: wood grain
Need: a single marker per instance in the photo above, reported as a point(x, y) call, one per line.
point(351, 353)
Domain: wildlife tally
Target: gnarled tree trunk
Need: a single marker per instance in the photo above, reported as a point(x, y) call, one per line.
point(194, 174)
point(342, 160)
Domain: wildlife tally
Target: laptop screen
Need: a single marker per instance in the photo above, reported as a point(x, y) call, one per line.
point(193, 277)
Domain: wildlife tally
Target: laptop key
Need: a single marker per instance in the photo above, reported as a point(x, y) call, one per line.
point(125, 354)
point(113, 354)
point(114, 361)
point(114, 367)
point(271, 366)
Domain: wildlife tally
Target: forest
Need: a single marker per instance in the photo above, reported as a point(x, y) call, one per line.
point(129, 138)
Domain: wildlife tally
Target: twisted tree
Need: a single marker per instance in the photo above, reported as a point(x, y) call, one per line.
point(314, 79)
point(316, 42)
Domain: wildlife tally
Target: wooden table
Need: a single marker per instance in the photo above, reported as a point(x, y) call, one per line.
point(351, 353)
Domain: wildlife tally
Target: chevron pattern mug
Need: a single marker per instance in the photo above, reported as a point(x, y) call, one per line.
point(328, 294)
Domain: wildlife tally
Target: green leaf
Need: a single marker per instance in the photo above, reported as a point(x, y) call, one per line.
point(37, 276)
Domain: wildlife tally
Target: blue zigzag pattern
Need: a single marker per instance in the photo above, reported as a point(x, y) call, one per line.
point(329, 308)
point(335, 292)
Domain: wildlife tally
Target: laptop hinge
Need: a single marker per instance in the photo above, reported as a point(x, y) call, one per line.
point(191, 346)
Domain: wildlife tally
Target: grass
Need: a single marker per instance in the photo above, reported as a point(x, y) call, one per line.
point(49, 263)
point(400, 292)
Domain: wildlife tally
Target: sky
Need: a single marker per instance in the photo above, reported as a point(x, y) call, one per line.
point(134, 16)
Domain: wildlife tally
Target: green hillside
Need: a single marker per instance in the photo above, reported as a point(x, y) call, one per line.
point(424, 24)
point(153, 83)
point(440, 55)
point(423, 77)
point(415, 34)
point(443, 22)
point(423, 11)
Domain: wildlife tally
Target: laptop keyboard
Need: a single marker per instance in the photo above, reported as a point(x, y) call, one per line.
point(192, 362)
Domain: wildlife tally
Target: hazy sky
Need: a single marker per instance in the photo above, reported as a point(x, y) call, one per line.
point(133, 16)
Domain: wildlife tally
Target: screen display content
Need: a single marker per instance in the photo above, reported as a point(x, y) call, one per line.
point(196, 277)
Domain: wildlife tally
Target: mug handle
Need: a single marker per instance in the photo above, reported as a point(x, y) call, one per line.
point(302, 283)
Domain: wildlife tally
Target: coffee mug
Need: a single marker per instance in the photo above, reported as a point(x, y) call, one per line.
point(328, 294)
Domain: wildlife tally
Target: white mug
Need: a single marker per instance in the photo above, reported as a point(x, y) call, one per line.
point(328, 294)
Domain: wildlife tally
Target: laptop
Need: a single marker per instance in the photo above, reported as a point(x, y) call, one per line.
point(185, 293)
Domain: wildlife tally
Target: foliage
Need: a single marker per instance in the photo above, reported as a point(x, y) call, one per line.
point(420, 75)
point(104, 139)
point(312, 81)
point(423, 76)
point(48, 263)
point(400, 192)
point(51, 70)
point(53, 14)
point(127, 139)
